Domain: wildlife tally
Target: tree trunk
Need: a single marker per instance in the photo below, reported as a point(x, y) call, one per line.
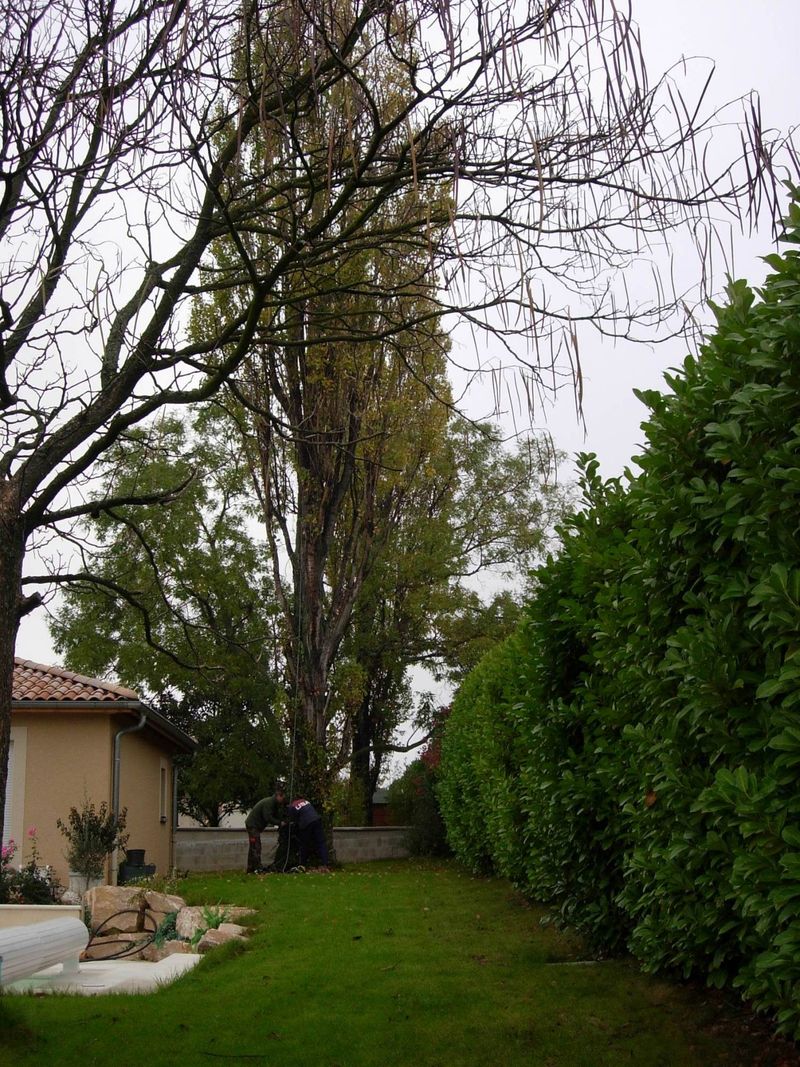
point(362, 748)
point(311, 647)
point(12, 553)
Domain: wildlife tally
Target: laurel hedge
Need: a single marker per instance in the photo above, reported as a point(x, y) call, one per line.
point(631, 754)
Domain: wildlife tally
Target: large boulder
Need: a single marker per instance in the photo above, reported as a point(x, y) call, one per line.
point(233, 928)
point(115, 908)
point(160, 905)
point(189, 921)
point(129, 908)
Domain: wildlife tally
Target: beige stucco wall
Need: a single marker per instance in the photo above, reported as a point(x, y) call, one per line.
point(141, 761)
point(67, 757)
point(63, 757)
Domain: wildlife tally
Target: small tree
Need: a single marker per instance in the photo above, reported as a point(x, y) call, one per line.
point(92, 835)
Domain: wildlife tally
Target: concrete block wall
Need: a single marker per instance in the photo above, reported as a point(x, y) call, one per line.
point(211, 849)
point(358, 844)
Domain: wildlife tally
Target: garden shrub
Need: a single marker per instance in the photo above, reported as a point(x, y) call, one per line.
point(347, 802)
point(478, 788)
point(645, 743)
point(414, 799)
point(31, 882)
point(575, 833)
point(713, 879)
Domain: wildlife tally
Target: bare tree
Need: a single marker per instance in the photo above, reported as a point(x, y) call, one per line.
point(125, 127)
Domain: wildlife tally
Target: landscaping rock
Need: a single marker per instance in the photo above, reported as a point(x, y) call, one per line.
point(105, 901)
point(163, 904)
point(190, 920)
point(234, 929)
point(103, 947)
point(153, 953)
point(214, 938)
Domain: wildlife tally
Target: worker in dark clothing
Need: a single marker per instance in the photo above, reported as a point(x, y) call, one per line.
point(305, 818)
point(271, 811)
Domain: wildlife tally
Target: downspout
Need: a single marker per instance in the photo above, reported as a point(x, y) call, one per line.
point(115, 782)
point(173, 831)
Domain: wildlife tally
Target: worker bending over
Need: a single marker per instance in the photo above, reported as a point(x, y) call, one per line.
point(271, 811)
point(306, 820)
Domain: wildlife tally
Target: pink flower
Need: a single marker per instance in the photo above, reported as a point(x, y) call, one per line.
point(32, 832)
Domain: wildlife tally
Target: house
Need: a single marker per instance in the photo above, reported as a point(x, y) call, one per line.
point(76, 738)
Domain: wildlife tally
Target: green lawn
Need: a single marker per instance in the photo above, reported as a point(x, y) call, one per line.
point(388, 963)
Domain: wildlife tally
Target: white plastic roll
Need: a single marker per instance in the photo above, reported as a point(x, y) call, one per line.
point(24, 950)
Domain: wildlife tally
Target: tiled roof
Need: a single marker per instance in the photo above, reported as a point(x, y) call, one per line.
point(34, 681)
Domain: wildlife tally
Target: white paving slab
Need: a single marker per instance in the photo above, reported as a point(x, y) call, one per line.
point(107, 976)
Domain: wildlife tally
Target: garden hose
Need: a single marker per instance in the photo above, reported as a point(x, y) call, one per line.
point(132, 946)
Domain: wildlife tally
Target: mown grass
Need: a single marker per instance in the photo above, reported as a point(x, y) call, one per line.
point(404, 963)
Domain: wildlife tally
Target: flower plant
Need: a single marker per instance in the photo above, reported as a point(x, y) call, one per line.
point(32, 883)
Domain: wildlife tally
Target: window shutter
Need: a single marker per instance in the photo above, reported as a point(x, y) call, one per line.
point(7, 815)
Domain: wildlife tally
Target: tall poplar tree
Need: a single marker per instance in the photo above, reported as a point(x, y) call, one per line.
point(338, 435)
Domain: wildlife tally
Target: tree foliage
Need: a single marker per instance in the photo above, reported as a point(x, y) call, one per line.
point(241, 751)
point(178, 604)
point(175, 595)
point(480, 517)
point(655, 690)
point(413, 797)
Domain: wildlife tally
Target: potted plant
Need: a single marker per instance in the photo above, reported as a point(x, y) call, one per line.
point(92, 835)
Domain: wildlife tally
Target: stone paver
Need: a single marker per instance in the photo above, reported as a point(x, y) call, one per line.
point(107, 976)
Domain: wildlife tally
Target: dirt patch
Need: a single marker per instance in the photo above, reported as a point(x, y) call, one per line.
point(752, 1035)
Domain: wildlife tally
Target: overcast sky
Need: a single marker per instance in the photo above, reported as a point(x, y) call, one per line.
point(754, 46)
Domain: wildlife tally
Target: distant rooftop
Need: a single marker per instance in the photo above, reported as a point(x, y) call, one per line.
point(35, 681)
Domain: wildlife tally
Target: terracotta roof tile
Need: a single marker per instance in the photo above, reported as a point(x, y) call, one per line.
point(34, 681)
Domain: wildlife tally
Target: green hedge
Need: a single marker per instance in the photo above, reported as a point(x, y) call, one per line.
point(631, 755)
point(482, 746)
